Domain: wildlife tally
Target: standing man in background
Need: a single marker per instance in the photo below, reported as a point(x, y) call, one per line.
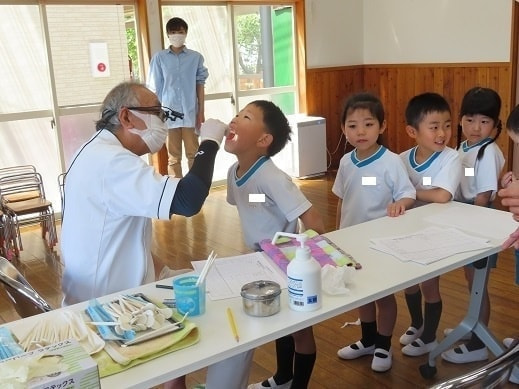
point(177, 75)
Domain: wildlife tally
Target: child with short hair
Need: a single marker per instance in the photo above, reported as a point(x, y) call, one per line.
point(480, 124)
point(258, 132)
point(435, 171)
point(362, 122)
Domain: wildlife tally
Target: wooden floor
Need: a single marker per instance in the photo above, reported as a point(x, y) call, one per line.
point(217, 227)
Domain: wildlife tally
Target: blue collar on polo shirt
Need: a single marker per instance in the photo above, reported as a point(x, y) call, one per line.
point(424, 165)
point(465, 146)
point(243, 179)
point(381, 150)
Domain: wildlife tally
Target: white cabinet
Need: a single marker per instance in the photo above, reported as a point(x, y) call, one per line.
point(305, 155)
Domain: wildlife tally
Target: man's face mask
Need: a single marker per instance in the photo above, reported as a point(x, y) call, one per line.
point(177, 40)
point(155, 133)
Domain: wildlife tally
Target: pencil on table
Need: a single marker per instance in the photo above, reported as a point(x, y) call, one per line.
point(232, 323)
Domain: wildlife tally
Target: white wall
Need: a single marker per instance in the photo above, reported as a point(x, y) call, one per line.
point(346, 32)
point(334, 33)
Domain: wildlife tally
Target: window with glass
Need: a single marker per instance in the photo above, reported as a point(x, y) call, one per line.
point(249, 51)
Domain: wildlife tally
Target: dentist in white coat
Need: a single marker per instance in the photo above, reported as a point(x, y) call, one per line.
point(111, 195)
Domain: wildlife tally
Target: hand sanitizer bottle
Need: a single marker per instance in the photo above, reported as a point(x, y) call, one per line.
point(304, 277)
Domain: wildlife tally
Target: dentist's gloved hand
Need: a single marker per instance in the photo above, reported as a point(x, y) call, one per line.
point(213, 129)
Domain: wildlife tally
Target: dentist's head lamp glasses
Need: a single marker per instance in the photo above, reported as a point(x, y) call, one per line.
point(163, 113)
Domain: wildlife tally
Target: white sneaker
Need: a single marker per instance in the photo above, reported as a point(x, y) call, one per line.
point(507, 342)
point(410, 335)
point(418, 347)
point(447, 331)
point(272, 384)
point(382, 360)
point(465, 356)
point(349, 352)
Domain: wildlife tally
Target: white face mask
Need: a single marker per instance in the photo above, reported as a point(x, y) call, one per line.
point(155, 133)
point(177, 40)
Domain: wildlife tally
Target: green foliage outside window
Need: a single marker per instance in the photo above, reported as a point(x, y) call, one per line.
point(132, 53)
point(248, 36)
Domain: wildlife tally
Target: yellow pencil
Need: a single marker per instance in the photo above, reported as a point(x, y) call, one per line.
point(232, 323)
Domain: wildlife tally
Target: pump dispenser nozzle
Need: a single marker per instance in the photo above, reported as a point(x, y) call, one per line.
point(301, 238)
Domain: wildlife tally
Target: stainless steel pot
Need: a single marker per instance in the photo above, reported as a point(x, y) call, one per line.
point(261, 298)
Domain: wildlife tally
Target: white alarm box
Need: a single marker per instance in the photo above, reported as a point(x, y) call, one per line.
point(305, 154)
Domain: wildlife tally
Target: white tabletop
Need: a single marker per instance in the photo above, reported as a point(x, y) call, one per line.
point(381, 274)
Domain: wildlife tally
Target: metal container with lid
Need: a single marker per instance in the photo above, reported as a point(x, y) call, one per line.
point(261, 298)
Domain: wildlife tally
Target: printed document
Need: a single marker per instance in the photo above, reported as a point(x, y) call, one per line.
point(456, 217)
point(227, 275)
point(429, 245)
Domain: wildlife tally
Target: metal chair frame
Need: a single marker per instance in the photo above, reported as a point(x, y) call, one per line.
point(7, 236)
point(26, 301)
point(21, 169)
point(23, 201)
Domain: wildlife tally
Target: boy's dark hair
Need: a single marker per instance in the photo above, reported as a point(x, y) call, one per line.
point(422, 104)
point(175, 24)
point(512, 123)
point(363, 101)
point(481, 101)
point(276, 123)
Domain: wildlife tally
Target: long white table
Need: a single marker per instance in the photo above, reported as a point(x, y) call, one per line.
point(381, 274)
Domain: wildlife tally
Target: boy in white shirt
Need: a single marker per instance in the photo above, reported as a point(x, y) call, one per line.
point(435, 171)
point(259, 131)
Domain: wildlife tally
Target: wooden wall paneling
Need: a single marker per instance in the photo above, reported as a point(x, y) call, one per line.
point(504, 87)
point(342, 82)
point(405, 83)
point(327, 90)
point(395, 123)
point(395, 85)
point(483, 76)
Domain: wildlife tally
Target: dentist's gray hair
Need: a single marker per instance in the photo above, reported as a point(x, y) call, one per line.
point(123, 95)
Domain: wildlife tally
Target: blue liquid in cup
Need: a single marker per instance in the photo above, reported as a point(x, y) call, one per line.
point(189, 297)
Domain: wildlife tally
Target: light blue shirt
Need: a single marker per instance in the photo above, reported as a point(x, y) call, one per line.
point(174, 77)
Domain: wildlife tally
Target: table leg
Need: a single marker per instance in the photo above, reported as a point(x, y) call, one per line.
point(469, 324)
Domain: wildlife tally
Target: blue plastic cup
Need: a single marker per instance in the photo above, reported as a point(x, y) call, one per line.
point(189, 297)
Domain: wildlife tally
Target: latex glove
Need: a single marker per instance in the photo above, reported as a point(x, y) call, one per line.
point(213, 129)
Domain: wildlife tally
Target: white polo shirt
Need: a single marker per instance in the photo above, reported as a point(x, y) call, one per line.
point(283, 201)
point(478, 176)
point(110, 196)
point(368, 186)
point(442, 169)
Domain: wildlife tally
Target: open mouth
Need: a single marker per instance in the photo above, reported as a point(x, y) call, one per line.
point(230, 135)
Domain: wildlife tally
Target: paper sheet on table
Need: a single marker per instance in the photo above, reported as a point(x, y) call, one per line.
point(457, 217)
point(429, 245)
point(227, 275)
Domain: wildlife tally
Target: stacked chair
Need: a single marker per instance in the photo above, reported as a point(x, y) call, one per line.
point(22, 197)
